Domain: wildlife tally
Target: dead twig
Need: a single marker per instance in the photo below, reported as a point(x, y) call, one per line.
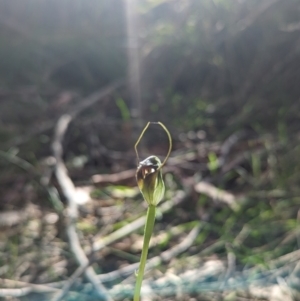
point(15, 288)
point(103, 242)
point(155, 261)
point(140, 222)
point(26, 288)
point(254, 282)
point(69, 191)
point(217, 194)
point(19, 288)
point(114, 178)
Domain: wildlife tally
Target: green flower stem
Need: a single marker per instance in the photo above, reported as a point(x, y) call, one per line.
point(147, 236)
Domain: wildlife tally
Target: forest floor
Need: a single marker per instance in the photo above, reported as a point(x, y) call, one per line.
point(227, 229)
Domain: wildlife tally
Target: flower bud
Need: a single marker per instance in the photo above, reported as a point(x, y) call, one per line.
point(150, 181)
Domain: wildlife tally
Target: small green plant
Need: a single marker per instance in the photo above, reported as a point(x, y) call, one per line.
point(213, 162)
point(125, 113)
point(151, 184)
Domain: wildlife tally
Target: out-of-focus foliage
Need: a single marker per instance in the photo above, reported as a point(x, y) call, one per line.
point(207, 63)
point(222, 62)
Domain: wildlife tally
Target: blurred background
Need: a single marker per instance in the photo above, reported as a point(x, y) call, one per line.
point(78, 82)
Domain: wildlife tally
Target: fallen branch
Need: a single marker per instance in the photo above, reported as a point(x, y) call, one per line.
point(155, 261)
point(15, 288)
point(100, 244)
point(217, 194)
point(114, 178)
point(253, 282)
point(69, 191)
point(140, 222)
